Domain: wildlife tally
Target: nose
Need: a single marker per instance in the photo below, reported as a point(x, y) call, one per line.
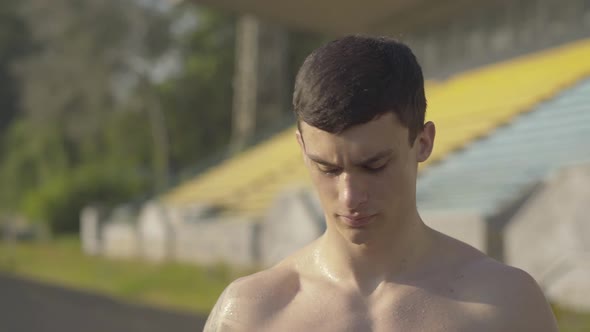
point(352, 192)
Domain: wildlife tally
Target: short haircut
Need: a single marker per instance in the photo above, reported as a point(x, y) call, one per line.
point(355, 79)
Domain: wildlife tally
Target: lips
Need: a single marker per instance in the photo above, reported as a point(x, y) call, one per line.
point(356, 220)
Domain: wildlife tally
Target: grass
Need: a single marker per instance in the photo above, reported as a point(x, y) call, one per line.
point(571, 321)
point(174, 286)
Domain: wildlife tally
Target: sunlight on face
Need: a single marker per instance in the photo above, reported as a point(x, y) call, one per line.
point(365, 176)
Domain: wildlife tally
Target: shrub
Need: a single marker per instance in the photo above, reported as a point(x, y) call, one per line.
point(58, 202)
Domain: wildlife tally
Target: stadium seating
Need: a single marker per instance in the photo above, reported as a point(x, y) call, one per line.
point(465, 108)
point(493, 172)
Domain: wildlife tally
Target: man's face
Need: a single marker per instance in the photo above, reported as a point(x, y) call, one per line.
point(365, 176)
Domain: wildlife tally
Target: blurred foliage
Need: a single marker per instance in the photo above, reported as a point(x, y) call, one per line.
point(65, 138)
point(108, 101)
point(60, 199)
point(15, 42)
point(198, 101)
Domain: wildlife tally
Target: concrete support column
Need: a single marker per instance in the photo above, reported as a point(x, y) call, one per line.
point(260, 80)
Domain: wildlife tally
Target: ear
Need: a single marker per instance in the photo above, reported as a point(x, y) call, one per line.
point(425, 142)
point(299, 137)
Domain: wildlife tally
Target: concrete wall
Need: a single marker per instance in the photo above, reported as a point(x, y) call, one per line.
point(118, 234)
point(92, 219)
point(231, 241)
point(464, 226)
point(155, 233)
point(120, 240)
point(550, 237)
point(161, 233)
point(294, 220)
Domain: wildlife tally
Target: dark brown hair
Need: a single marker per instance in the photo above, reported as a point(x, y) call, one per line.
point(353, 80)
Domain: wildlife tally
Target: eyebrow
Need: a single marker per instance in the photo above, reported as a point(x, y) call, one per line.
point(372, 159)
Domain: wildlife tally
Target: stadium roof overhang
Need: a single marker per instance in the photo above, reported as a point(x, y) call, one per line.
point(347, 16)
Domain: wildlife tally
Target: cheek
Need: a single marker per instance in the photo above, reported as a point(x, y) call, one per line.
point(324, 185)
point(392, 185)
point(382, 188)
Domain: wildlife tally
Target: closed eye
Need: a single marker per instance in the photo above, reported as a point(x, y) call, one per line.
point(330, 171)
point(373, 169)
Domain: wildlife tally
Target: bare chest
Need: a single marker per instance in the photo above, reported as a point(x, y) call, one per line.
point(390, 311)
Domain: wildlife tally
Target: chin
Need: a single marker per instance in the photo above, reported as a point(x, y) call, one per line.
point(356, 236)
point(375, 231)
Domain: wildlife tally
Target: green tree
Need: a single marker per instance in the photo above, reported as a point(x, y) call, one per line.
point(72, 109)
point(198, 102)
point(15, 42)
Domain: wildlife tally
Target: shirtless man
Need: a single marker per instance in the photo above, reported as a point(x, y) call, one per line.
point(360, 109)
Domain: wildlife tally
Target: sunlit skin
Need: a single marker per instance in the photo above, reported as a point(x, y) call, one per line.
point(368, 171)
point(378, 267)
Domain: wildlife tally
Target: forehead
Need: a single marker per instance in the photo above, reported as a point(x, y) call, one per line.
point(384, 132)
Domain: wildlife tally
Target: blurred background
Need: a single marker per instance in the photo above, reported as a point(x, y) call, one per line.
point(147, 155)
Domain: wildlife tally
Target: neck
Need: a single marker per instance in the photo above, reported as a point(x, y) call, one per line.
point(390, 253)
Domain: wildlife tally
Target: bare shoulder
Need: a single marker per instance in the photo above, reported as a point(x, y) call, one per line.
point(512, 299)
point(252, 300)
point(492, 295)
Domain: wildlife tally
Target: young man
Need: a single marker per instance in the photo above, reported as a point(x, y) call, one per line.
point(360, 109)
